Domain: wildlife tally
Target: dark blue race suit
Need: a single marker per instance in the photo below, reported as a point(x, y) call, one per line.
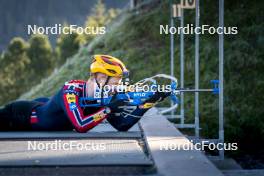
point(63, 112)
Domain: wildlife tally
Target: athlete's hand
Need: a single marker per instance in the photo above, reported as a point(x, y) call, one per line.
point(116, 103)
point(158, 97)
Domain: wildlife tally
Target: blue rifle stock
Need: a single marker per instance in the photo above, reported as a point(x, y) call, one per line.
point(138, 98)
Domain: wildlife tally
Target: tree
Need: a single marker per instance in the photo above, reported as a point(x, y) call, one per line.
point(67, 45)
point(16, 50)
point(24, 65)
point(14, 69)
point(100, 17)
point(40, 53)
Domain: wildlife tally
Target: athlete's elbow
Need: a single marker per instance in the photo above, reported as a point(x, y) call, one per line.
point(123, 128)
point(82, 129)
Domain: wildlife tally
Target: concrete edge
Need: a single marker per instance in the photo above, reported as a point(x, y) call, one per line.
point(67, 135)
point(159, 132)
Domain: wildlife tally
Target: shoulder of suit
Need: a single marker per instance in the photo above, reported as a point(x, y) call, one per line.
point(75, 83)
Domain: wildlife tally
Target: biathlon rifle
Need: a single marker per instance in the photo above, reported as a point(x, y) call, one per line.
point(136, 98)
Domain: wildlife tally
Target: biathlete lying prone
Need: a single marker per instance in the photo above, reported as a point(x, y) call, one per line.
point(63, 110)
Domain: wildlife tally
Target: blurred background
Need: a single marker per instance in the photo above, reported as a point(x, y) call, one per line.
point(26, 59)
point(38, 65)
point(16, 15)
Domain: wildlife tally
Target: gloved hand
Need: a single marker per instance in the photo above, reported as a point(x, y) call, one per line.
point(116, 103)
point(158, 97)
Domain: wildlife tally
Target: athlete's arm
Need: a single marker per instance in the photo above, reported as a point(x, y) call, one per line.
point(82, 123)
point(124, 117)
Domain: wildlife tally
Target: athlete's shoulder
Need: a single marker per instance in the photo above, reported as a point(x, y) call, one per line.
point(75, 83)
point(73, 86)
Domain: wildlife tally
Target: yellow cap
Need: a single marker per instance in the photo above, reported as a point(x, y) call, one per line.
point(108, 65)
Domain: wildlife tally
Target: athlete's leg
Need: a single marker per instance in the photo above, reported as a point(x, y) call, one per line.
point(16, 116)
point(42, 99)
point(5, 114)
